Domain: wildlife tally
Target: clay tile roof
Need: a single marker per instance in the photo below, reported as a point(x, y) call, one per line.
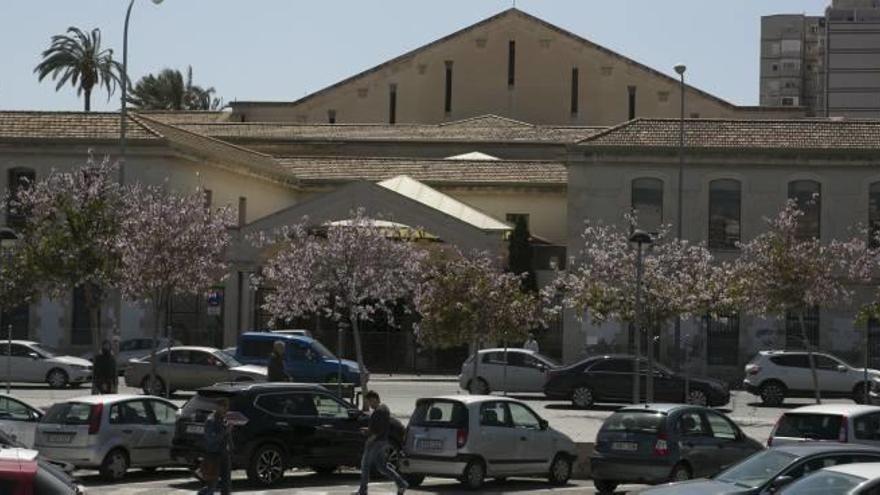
point(69, 125)
point(186, 116)
point(344, 169)
point(806, 134)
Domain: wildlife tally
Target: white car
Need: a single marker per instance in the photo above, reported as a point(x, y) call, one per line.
point(18, 419)
point(776, 375)
point(842, 479)
point(33, 362)
point(851, 423)
point(526, 371)
point(471, 438)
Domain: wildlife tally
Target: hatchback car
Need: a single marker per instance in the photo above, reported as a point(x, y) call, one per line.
point(845, 479)
point(610, 379)
point(306, 360)
point(656, 443)
point(828, 422)
point(772, 469)
point(472, 438)
point(506, 370)
point(109, 432)
point(23, 472)
point(189, 368)
point(33, 362)
point(285, 425)
point(18, 419)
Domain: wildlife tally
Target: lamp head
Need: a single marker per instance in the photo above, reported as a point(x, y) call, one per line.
point(640, 237)
point(679, 68)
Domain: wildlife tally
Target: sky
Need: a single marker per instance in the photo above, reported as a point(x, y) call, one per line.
point(285, 49)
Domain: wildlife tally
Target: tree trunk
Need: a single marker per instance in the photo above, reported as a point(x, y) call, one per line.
point(867, 386)
point(93, 305)
point(476, 365)
point(504, 380)
point(359, 354)
point(812, 358)
point(87, 98)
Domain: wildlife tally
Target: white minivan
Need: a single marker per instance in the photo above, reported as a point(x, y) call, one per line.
point(849, 423)
point(471, 438)
point(506, 370)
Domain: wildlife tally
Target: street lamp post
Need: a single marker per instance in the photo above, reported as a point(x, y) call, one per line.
point(640, 238)
point(123, 122)
point(680, 70)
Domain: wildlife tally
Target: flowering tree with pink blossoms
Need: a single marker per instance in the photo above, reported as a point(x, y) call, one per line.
point(348, 271)
point(780, 271)
point(68, 238)
point(16, 282)
point(169, 244)
point(469, 300)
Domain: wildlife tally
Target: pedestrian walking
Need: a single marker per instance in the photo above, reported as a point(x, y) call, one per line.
point(216, 464)
point(531, 344)
point(104, 370)
point(276, 364)
point(377, 445)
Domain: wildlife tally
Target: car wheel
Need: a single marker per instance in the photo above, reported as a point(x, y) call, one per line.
point(772, 393)
point(324, 470)
point(479, 386)
point(414, 480)
point(267, 465)
point(57, 378)
point(153, 385)
point(697, 397)
point(560, 470)
point(582, 397)
point(680, 472)
point(859, 394)
point(473, 476)
point(115, 465)
point(605, 486)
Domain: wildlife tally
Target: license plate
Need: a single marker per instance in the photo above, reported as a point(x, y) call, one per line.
point(429, 444)
point(197, 429)
point(59, 437)
point(625, 446)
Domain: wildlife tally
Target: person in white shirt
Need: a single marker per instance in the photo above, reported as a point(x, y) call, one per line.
point(531, 344)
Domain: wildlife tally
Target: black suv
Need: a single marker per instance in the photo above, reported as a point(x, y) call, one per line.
point(288, 425)
point(610, 379)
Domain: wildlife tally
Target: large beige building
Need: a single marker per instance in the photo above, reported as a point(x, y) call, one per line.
point(512, 64)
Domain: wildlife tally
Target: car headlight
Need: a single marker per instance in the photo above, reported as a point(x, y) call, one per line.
point(81, 367)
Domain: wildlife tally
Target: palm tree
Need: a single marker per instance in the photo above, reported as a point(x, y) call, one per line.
point(169, 91)
point(77, 57)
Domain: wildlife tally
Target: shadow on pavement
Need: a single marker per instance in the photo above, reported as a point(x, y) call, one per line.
point(291, 480)
point(761, 405)
point(492, 486)
point(92, 478)
point(569, 407)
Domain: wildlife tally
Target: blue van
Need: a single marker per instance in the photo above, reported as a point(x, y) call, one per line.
point(305, 359)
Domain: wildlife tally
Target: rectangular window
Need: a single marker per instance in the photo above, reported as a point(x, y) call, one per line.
point(331, 116)
point(631, 90)
point(722, 341)
point(242, 211)
point(574, 90)
point(793, 337)
point(511, 63)
point(724, 214)
point(447, 103)
point(392, 103)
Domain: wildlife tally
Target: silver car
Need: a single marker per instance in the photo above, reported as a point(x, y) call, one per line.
point(189, 368)
point(32, 362)
point(472, 438)
point(133, 349)
point(109, 432)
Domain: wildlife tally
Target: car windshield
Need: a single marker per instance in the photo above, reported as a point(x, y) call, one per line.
point(825, 483)
point(634, 422)
point(68, 413)
point(228, 360)
point(323, 351)
point(757, 469)
point(45, 351)
point(809, 426)
point(548, 360)
point(440, 413)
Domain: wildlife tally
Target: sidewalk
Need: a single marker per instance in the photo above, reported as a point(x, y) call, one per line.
point(404, 377)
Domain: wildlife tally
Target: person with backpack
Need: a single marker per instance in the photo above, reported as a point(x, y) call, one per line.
point(216, 465)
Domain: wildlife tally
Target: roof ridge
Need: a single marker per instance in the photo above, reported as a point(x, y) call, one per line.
point(202, 136)
point(485, 116)
point(611, 129)
point(412, 159)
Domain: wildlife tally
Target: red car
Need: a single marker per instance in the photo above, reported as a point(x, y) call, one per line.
point(23, 473)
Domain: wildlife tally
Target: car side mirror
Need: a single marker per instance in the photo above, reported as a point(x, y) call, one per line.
point(841, 368)
point(543, 424)
point(34, 356)
point(779, 482)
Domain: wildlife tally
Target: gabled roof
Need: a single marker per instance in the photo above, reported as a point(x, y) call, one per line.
point(805, 134)
point(488, 120)
point(415, 190)
point(86, 126)
point(501, 15)
point(473, 156)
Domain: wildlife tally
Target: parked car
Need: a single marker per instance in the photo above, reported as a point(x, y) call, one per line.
point(189, 368)
point(828, 422)
point(772, 469)
point(610, 379)
point(23, 472)
point(776, 375)
point(843, 479)
point(297, 331)
point(656, 443)
point(287, 425)
point(18, 419)
point(134, 349)
point(526, 371)
point(472, 438)
point(33, 362)
point(305, 359)
point(111, 433)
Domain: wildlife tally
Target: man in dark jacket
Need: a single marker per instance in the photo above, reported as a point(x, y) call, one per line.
point(276, 364)
point(104, 370)
point(218, 448)
point(375, 450)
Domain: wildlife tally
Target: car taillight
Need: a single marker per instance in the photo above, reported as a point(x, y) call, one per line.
point(753, 369)
point(95, 418)
point(661, 446)
point(773, 431)
point(843, 435)
point(461, 437)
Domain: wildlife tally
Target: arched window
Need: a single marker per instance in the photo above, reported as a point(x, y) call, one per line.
point(18, 179)
point(725, 198)
point(647, 202)
point(807, 194)
point(874, 213)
